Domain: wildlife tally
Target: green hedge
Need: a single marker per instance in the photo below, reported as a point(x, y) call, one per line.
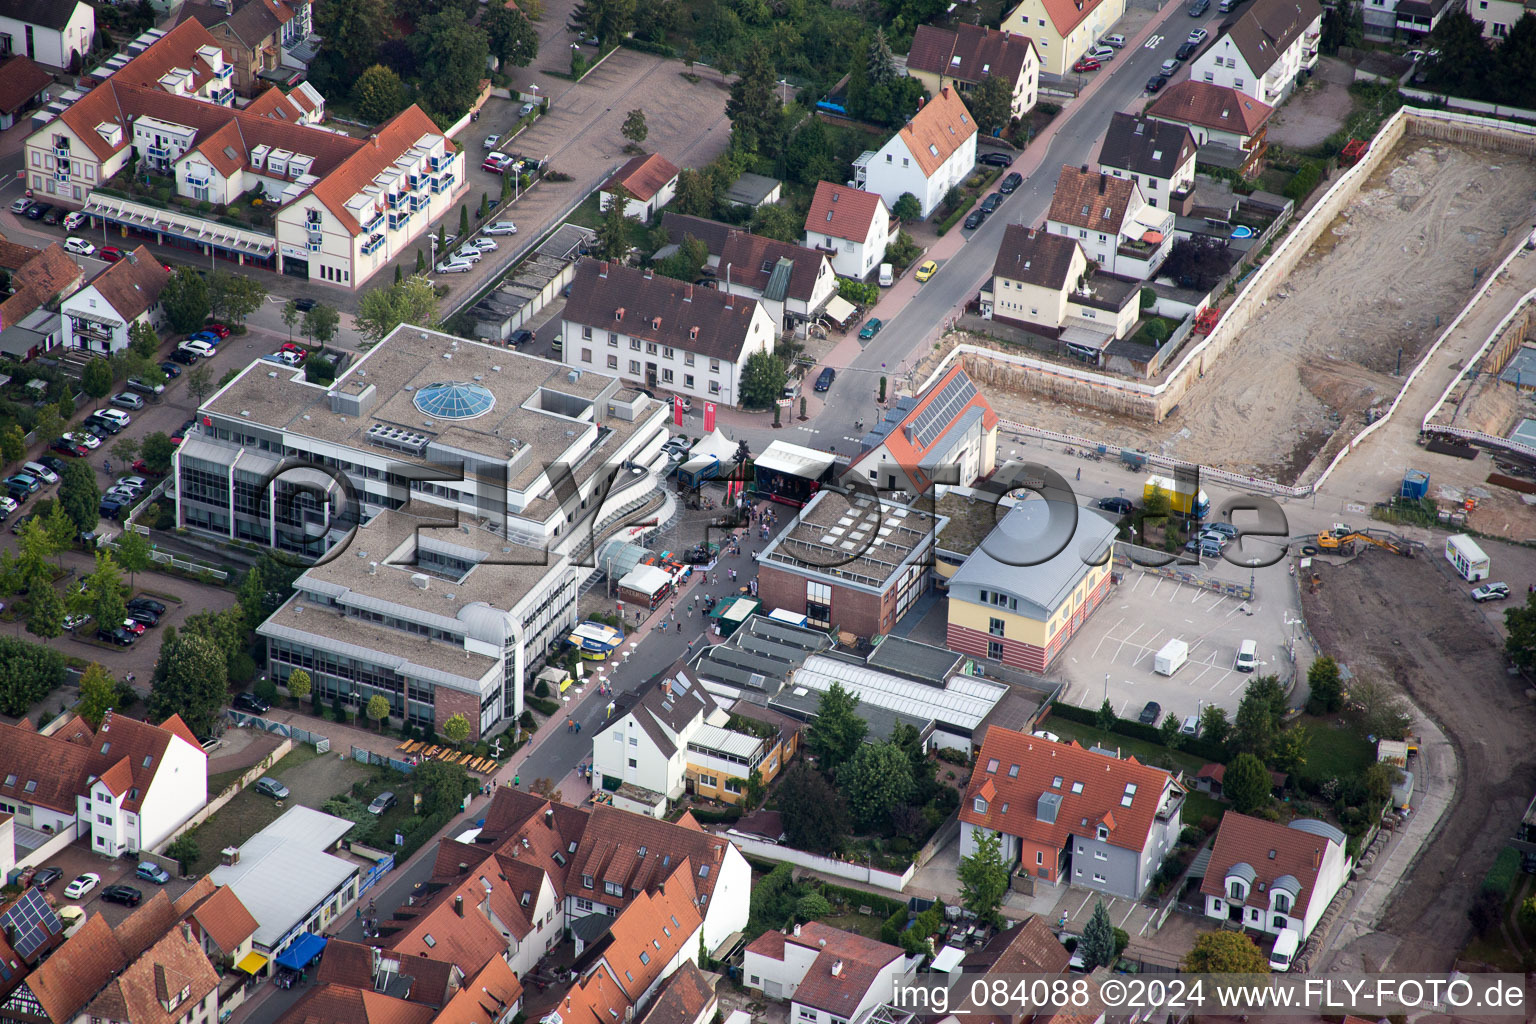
point(954, 218)
point(1304, 181)
point(716, 817)
point(646, 46)
point(543, 707)
point(860, 898)
point(1135, 730)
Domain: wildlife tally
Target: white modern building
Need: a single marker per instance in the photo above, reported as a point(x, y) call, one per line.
point(51, 32)
point(1268, 877)
point(97, 318)
point(851, 226)
point(931, 154)
point(1264, 50)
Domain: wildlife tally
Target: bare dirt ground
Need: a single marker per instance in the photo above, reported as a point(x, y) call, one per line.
point(1382, 280)
point(1317, 109)
point(1444, 655)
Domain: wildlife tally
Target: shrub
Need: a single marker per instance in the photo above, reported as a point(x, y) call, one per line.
point(1304, 181)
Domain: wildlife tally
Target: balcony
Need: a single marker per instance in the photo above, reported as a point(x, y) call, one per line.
point(399, 220)
point(396, 200)
point(373, 245)
point(436, 163)
point(224, 73)
point(159, 153)
point(442, 184)
point(374, 222)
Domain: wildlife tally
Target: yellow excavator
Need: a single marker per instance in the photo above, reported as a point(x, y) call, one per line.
point(1341, 540)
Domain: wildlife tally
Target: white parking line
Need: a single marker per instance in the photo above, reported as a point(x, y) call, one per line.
point(1129, 910)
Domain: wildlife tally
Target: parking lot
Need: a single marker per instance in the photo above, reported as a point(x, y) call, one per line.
point(1112, 656)
point(78, 859)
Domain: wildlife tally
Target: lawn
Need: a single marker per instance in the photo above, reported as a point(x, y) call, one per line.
point(1146, 752)
point(867, 925)
point(590, 215)
point(1198, 806)
point(1336, 752)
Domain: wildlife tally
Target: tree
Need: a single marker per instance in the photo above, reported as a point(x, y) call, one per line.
point(510, 35)
point(1291, 749)
point(1214, 726)
point(456, 729)
point(412, 301)
point(265, 587)
point(98, 694)
point(46, 615)
point(837, 731)
point(291, 312)
point(191, 680)
point(184, 851)
point(28, 673)
point(1516, 55)
point(815, 814)
point(378, 94)
point(1379, 779)
point(378, 709)
point(442, 786)
point(1520, 622)
point(1169, 732)
point(79, 496)
point(1247, 783)
point(1327, 689)
point(907, 208)
point(185, 300)
point(1255, 726)
point(13, 443)
point(456, 52)
point(142, 339)
point(695, 194)
point(991, 104)
point(754, 107)
point(353, 29)
point(48, 423)
point(687, 263)
point(876, 780)
point(421, 257)
point(762, 380)
point(778, 221)
point(1462, 63)
point(608, 20)
point(1097, 946)
point(1105, 718)
point(133, 554)
point(984, 878)
point(104, 591)
point(808, 157)
point(320, 323)
point(1225, 953)
point(299, 685)
point(157, 451)
point(634, 128)
point(463, 220)
point(1382, 713)
point(200, 383)
point(59, 527)
point(1155, 503)
point(613, 231)
point(1343, 25)
point(235, 296)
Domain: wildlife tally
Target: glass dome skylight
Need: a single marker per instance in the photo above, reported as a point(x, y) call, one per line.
point(454, 400)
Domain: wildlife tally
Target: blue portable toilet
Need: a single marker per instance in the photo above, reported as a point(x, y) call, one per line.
point(1415, 484)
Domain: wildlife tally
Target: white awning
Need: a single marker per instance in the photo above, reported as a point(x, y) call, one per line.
point(645, 579)
point(840, 309)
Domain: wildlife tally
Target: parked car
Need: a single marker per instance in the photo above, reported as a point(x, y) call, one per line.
point(84, 440)
point(25, 480)
point(127, 895)
point(871, 328)
point(36, 211)
point(1198, 36)
point(125, 400)
point(491, 141)
point(1010, 184)
point(1491, 592)
point(468, 253)
point(992, 202)
point(186, 357)
point(496, 163)
point(1170, 66)
point(218, 329)
point(521, 336)
point(111, 253)
point(974, 219)
point(1086, 64)
point(1199, 7)
point(925, 270)
point(1156, 82)
point(383, 802)
point(1185, 51)
point(1151, 713)
point(825, 378)
point(1227, 530)
point(41, 472)
point(995, 159)
point(21, 205)
point(79, 246)
point(102, 425)
point(144, 387)
point(289, 346)
point(54, 216)
point(74, 622)
point(201, 347)
point(454, 267)
point(82, 884)
point(180, 434)
point(74, 220)
point(1117, 40)
point(268, 786)
point(525, 110)
point(157, 607)
point(501, 227)
point(207, 336)
point(55, 464)
point(171, 370)
point(46, 877)
point(483, 244)
point(251, 703)
point(111, 508)
point(304, 305)
point(1102, 53)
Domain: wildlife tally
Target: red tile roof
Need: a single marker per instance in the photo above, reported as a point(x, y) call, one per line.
point(684, 997)
point(342, 1004)
point(858, 960)
point(484, 997)
point(1066, 15)
point(143, 927)
point(118, 778)
point(1091, 788)
point(653, 308)
point(176, 49)
point(58, 766)
point(388, 144)
point(596, 1000)
point(1091, 199)
point(176, 726)
point(223, 918)
point(909, 453)
point(843, 212)
point(941, 126)
point(21, 79)
point(969, 53)
point(1212, 107)
point(175, 962)
point(45, 276)
point(65, 982)
point(643, 176)
point(751, 259)
point(610, 852)
point(133, 284)
point(652, 930)
point(1272, 850)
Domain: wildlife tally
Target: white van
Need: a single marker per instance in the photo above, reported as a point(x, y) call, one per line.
point(1247, 657)
point(1191, 726)
point(887, 278)
point(117, 416)
point(1286, 945)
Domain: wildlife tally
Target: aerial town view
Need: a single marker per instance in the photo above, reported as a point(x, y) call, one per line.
point(767, 511)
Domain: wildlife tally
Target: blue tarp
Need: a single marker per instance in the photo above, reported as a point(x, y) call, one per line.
point(301, 951)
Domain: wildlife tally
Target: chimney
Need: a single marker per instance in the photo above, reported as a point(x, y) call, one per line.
point(687, 293)
point(602, 269)
point(837, 968)
point(463, 868)
point(549, 817)
point(797, 931)
point(1083, 168)
point(649, 273)
point(1102, 179)
point(458, 908)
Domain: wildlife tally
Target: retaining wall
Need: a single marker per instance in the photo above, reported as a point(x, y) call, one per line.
point(825, 865)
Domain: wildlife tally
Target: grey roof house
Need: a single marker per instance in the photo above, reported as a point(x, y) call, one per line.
point(1159, 156)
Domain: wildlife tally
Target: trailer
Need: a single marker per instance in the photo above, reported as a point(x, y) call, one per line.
point(1171, 658)
point(1183, 498)
point(792, 474)
point(1467, 558)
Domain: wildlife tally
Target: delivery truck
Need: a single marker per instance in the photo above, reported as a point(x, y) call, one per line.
point(1171, 658)
point(1183, 499)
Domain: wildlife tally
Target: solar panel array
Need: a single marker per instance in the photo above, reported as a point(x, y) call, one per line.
point(930, 423)
point(30, 923)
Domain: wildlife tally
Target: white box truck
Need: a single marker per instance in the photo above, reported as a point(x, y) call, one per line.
point(1463, 553)
point(1171, 658)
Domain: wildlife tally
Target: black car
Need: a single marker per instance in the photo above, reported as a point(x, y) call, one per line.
point(976, 217)
point(992, 202)
point(54, 215)
point(1185, 51)
point(1151, 713)
point(1119, 506)
point(64, 447)
point(825, 378)
point(148, 604)
point(109, 509)
point(119, 636)
point(522, 337)
point(100, 423)
point(304, 305)
point(995, 159)
point(127, 895)
point(36, 212)
point(250, 702)
point(1156, 82)
point(184, 357)
point(171, 370)
point(144, 615)
point(1010, 184)
point(46, 877)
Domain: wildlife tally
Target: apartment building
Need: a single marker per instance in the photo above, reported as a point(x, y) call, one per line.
point(1264, 50)
point(929, 155)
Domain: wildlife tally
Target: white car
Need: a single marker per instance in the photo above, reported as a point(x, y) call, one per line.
point(502, 227)
point(137, 482)
point(73, 220)
point(7, 505)
point(467, 253)
point(454, 267)
point(491, 141)
point(1198, 36)
point(74, 622)
point(79, 246)
point(199, 348)
point(20, 205)
point(80, 437)
point(483, 244)
point(82, 885)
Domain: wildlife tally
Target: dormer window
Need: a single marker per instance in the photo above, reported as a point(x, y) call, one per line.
point(618, 314)
point(1237, 892)
point(1282, 903)
point(981, 806)
point(1103, 833)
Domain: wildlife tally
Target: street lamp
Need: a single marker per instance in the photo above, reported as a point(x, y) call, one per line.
point(356, 697)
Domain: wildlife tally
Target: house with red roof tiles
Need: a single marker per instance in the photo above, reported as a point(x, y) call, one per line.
point(651, 182)
point(929, 155)
point(1269, 877)
point(1120, 232)
point(1063, 30)
point(949, 425)
point(851, 226)
point(98, 317)
point(829, 976)
point(967, 55)
point(793, 283)
point(1068, 814)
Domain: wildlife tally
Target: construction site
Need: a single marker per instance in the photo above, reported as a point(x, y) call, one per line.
point(1317, 343)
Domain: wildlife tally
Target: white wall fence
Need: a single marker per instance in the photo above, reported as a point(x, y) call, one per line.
point(825, 865)
point(51, 848)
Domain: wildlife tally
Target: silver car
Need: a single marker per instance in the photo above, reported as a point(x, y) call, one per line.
point(454, 267)
point(124, 400)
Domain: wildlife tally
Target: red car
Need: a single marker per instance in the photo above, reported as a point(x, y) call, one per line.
point(139, 466)
point(219, 329)
point(1086, 64)
point(134, 627)
point(168, 269)
point(110, 253)
point(289, 346)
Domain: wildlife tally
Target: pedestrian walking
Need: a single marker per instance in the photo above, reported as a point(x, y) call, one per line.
point(1079, 472)
point(679, 627)
point(517, 780)
point(578, 728)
